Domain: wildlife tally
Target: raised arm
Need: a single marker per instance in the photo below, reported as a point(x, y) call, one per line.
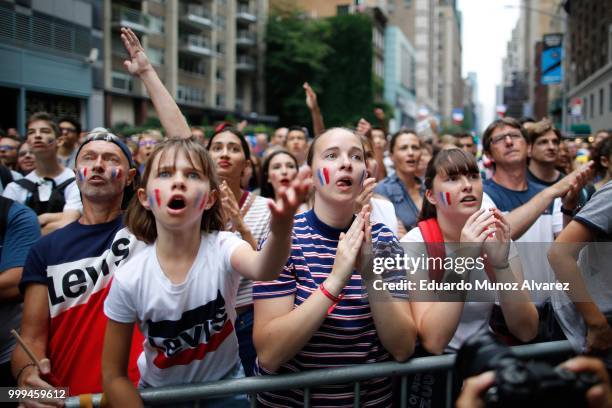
point(267, 263)
point(138, 65)
point(315, 112)
point(523, 217)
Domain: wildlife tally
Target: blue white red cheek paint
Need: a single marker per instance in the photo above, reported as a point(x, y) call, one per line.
point(82, 173)
point(445, 198)
point(323, 175)
point(116, 173)
point(201, 200)
point(154, 198)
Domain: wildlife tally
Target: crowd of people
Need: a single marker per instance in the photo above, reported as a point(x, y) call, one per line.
point(180, 257)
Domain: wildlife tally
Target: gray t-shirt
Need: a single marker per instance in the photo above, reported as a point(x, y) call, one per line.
point(597, 213)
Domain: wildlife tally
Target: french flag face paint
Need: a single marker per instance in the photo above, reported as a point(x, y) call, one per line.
point(116, 173)
point(323, 176)
point(445, 198)
point(201, 200)
point(82, 174)
point(157, 197)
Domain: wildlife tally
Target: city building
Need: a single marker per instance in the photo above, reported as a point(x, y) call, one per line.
point(400, 80)
point(48, 51)
point(590, 61)
point(450, 82)
point(419, 21)
point(209, 54)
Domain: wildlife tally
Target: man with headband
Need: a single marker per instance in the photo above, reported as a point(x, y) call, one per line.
point(50, 189)
point(67, 275)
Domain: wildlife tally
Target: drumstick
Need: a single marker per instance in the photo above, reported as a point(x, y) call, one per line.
point(27, 349)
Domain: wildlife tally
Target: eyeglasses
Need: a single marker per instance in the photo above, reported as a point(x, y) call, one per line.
point(67, 129)
point(512, 135)
point(7, 148)
point(145, 143)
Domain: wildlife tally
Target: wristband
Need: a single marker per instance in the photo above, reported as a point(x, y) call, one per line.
point(569, 213)
point(331, 297)
point(21, 371)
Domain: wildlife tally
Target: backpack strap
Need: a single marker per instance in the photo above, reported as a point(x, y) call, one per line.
point(5, 206)
point(27, 184)
point(434, 243)
point(62, 186)
point(5, 175)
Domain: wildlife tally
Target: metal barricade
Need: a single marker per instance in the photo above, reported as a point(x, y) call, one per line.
point(307, 380)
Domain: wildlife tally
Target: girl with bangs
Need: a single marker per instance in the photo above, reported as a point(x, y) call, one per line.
point(181, 289)
point(317, 314)
point(453, 219)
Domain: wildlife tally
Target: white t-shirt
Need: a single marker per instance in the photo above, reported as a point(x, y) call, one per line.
point(476, 315)
point(16, 176)
point(188, 327)
point(72, 194)
point(383, 212)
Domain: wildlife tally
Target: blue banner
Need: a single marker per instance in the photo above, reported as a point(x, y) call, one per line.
point(552, 59)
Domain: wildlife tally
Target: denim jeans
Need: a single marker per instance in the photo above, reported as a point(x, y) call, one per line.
point(244, 332)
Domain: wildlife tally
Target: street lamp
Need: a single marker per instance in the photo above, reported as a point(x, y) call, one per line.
point(563, 19)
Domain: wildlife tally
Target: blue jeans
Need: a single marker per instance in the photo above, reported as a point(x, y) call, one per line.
point(244, 332)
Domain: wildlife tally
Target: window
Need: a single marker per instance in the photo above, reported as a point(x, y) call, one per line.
point(585, 106)
point(407, 3)
point(220, 100)
point(156, 55)
point(591, 106)
point(342, 10)
point(610, 97)
point(601, 101)
point(156, 24)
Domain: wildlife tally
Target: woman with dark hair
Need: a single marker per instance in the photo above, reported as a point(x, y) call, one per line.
point(248, 214)
point(452, 215)
point(278, 170)
point(404, 189)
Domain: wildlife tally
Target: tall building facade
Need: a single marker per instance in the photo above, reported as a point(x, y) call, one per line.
point(450, 83)
point(47, 59)
point(209, 54)
point(418, 20)
point(400, 79)
point(590, 61)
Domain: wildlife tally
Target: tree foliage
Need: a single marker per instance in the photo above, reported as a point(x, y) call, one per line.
point(334, 55)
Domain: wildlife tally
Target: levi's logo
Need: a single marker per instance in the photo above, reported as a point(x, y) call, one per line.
point(197, 332)
point(72, 283)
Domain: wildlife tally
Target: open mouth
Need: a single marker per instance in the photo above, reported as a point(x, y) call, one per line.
point(285, 182)
point(468, 199)
point(344, 182)
point(176, 203)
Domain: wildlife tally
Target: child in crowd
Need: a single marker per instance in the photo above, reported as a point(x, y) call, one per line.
point(182, 288)
point(316, 314)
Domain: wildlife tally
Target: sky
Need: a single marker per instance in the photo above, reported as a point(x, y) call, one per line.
point(486, 29)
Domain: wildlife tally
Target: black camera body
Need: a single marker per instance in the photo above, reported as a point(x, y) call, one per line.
point(518, 383)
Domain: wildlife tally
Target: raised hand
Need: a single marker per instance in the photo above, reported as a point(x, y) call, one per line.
point(575, 178)
point(138, 63)
point(311, 97)
point(497, 245)
point(366, 195)
point(288, 202)
point(364, 127)
point(479, 226)
point(231, 210)
point(349, 247)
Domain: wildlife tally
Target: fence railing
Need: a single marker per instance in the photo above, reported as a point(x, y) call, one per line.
point(310, 379)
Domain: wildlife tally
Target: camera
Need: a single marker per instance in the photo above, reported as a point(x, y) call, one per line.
point(519, 383)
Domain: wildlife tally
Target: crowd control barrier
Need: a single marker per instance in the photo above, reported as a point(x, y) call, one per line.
point(307, 380)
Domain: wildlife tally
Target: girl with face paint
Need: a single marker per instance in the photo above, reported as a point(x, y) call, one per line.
point(452, 207)
point(317, 315)
point(187, 276)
